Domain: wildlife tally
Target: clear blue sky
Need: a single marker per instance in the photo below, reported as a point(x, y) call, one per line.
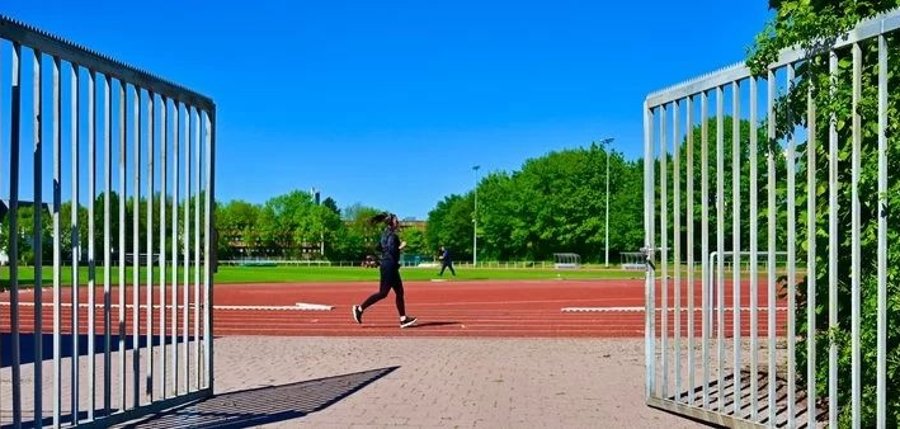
point(391, 103)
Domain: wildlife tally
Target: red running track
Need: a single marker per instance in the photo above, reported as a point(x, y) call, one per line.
point(477, 309)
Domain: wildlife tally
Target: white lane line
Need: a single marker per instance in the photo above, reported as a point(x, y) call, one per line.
point(300, 306)
point(641, 309)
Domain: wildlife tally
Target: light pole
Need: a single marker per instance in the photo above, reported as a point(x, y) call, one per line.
point(475, 221)
point(315, 195)
point(605, 143)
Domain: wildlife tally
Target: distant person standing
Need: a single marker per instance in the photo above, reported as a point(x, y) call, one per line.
point(446, 262)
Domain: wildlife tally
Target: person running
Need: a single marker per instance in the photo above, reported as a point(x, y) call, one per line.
point(390, 247)
point(446, 262)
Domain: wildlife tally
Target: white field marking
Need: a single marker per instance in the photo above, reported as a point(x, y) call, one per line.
point(312, 307)
point(507, 302)
point(641, 309)
point(300, 306)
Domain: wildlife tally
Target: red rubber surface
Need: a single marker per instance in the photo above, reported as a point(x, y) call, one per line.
point(483, 309)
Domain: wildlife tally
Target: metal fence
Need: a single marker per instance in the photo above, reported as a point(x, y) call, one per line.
point(708, 367)
point(98, 352)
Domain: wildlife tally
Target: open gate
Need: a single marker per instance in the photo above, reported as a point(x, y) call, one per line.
point(135, 335)
point(736, 334)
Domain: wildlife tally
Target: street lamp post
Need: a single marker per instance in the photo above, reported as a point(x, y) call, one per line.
point(315, 195)
point(605, 143)
point(475, 221)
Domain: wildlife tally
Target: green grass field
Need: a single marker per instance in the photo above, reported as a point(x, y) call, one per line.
point(304, 274)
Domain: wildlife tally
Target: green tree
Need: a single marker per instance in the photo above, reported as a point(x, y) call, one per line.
point(555, 203)
point(237, 223)
point(416, 242)
point(290, 224)
point(450, 224)
point(695, 201)
point(331, 204)
point(361, 236)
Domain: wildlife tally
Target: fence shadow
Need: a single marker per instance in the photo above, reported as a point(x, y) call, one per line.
point(27, 342)
point(249, 408)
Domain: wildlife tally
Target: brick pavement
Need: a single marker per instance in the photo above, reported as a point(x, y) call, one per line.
point(493, 383)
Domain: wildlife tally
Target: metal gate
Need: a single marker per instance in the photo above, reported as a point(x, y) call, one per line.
point(745, 355)
point(134, 335)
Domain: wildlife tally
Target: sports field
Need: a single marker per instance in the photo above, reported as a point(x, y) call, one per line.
point(305, 274)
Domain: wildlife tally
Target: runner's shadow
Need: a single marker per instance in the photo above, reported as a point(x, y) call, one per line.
point(254, 407)
point(427, 324)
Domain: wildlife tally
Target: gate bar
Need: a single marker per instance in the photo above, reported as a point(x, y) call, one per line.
point(151, 165)
point(664, 243)
point(720, 244)
point(75, 139)
point(689, 207)
point(736, 237)
point(37, 109)
point(676, 237)
point(57, 250)
point(754, 250)
point(854, 238)
point(882, 231)
point(704, 237)
point(832, 252)
point(772, 221)
point(791, 166)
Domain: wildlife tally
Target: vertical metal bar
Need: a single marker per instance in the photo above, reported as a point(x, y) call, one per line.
point(136, 247)
point(164, 146)
point(664, 238)
point(754, 251)
point(720, 241)
point(37, 240)
point(689, 207)
point(811, 273)
point(123, 147)
point(197, 265)
point(791, 164)
point(832, 252)
point(14, 135)
point(187, 240)
point(57, 250)
point(1, 180)
point(75, 111)
point(855, 275)
point(652, 230)
point(676, 186)
point(93, 131)
point(649, 325)
point(712, 289)
point(770, 193)
point(38, 135)
point(107, 238)
point(736, 239)
point(881, 389)
point(176, 166)
point(151, 156)
point(209, 245)
point(704, 241)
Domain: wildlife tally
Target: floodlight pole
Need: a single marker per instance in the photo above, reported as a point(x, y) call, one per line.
point(475, 221)
point(322, 233)
point(605, 143)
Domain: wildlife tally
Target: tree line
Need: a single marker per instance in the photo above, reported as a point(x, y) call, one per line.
point(294, 226)
point(555, 203)
point(67, 237)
